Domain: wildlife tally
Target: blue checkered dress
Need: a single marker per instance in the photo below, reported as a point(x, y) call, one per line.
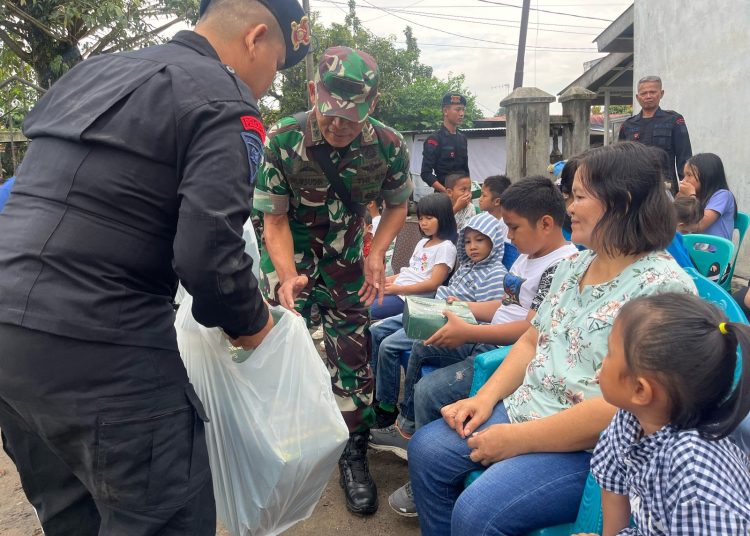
point(679, 484)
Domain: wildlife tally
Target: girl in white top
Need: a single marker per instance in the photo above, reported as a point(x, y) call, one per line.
point(432, 261)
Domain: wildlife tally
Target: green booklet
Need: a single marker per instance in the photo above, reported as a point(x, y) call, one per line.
point(424, 316)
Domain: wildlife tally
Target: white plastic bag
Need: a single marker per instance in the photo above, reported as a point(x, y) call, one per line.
point(275, 431)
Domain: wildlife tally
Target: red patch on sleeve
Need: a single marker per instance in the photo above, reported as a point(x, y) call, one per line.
point(255, 125)
point(432, 142)
point(680, 121)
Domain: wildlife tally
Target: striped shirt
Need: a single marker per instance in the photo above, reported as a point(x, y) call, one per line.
point(679, 484)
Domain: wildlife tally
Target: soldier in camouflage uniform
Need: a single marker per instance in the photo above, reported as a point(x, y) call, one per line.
point(312, 243)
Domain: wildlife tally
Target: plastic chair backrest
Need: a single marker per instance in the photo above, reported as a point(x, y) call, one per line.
point(711, 261)
point(710, 291)
point(406, 241)
point(741, 223)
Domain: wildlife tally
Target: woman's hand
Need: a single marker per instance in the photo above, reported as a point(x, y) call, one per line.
point(494, 443)
point(476, 409)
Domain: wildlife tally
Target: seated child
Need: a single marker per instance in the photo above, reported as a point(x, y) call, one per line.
point(491, 198)
point(478, 277)
point(533, 210)
point(688, 215)
point(705, 180)
point(665, 458)
point(432, 260)
point(458, 188)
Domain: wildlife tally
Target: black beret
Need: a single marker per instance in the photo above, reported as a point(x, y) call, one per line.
point(294, 24)
point(453, 98)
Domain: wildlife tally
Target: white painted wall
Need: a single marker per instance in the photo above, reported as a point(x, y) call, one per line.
point(486, 157)
point(701, 50)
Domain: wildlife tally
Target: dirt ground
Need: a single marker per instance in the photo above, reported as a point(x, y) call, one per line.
point(17, 517)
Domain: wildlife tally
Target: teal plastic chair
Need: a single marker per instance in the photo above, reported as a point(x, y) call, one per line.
point(741, 223)
point(713, 261)
point(589, 517)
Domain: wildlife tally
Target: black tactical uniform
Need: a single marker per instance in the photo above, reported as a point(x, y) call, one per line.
point(444, 153)
point(141, 170)
point(667, 131)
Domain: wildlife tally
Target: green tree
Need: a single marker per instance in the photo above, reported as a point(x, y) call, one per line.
point(51, 36)
point(409, 93)
point(613, 109)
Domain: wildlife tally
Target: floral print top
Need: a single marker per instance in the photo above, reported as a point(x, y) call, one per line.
point(573, 327)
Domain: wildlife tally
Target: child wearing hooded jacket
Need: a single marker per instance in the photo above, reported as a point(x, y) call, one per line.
point(478, 278)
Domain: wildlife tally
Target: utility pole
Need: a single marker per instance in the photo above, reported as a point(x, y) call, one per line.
point(518, 80)
point(309, 56)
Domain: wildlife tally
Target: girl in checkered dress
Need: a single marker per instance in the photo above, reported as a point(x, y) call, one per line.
point(666, 459)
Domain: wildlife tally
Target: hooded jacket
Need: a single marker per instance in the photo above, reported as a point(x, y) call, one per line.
point(483, 280)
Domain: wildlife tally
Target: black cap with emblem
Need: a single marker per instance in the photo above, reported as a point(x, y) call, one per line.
point(453, 98)
point(294, 24)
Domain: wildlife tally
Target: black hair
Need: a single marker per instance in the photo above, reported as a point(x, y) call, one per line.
point(452, 178)
point(688, 210)
point(496, 184)
point(710, 172)
point(567, 174)
point(368, 218)
point(677, 338)
point(627, 179)
point(439, 206)
point(535, 197)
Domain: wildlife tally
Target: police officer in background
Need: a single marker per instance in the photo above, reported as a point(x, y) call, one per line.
point(445, 151)
point(141, 170)
point(665, 129)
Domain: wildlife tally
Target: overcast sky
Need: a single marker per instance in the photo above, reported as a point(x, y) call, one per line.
point(486, 52)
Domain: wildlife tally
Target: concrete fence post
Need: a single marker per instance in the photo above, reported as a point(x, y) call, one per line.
point(527, 132)
point(576, 106)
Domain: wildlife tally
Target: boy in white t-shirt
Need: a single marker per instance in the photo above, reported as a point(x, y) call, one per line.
point(458, 188)
point(534, 211)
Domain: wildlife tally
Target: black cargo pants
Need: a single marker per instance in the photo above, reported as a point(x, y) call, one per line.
point(107, 439)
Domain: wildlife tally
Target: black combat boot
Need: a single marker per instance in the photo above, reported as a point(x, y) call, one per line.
point(359, 487)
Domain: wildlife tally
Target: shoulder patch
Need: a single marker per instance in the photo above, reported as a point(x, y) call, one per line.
point(254, 147)
point(432, 141)
point(253, 124)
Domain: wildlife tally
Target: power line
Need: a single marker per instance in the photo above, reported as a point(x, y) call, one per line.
point(442, 30)
point(421, 44)
point(336, 3)
point(479, 20)
point(545, 11)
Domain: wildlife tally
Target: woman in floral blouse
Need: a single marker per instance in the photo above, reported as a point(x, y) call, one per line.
point(536, 419)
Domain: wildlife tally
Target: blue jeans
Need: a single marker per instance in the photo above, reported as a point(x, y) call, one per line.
point(392, 305)
point(389, 340)
point(445, 384)
point(512, 497)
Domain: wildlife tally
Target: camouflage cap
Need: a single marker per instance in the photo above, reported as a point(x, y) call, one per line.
point(294, 24)
point(453, 98)
point(346, 83)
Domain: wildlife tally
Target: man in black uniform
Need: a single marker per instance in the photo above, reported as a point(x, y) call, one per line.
point(141, 170)
point(665, 129)
point(445, 150)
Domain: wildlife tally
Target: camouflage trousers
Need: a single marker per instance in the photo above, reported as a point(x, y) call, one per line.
point(348, 350)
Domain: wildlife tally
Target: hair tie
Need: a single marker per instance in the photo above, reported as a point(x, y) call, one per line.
point(723, 328)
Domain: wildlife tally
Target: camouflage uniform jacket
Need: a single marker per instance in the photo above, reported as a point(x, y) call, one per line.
point(327, 237)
